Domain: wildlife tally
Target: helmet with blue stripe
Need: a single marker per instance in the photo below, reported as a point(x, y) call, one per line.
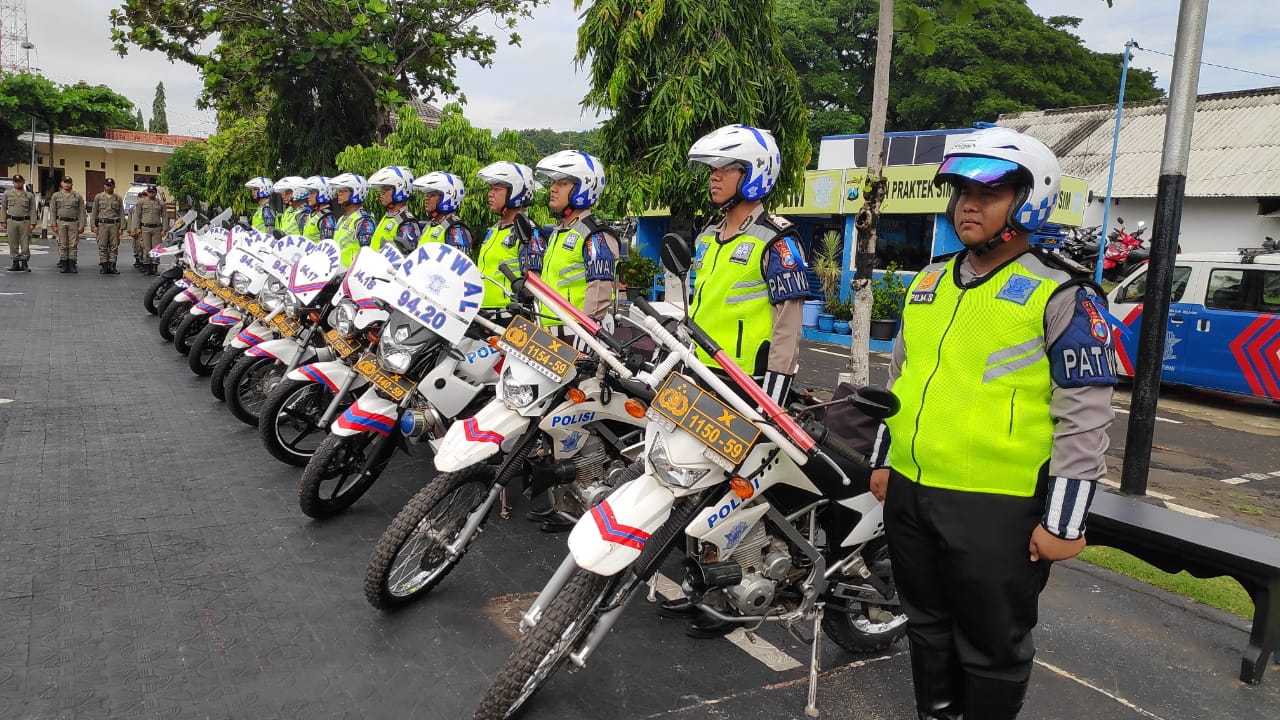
point(358, 186)
point(318, 184)
point(447, 184)
point(396, 177)
point(586, 171)
point(753, 150)
point(1000, 156)
point(516, 178)
point(262, 187)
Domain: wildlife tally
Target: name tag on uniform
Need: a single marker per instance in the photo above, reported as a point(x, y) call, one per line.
point(926, 289)
point(741, 253)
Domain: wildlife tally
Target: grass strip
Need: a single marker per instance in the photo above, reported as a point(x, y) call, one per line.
point(1223, 593)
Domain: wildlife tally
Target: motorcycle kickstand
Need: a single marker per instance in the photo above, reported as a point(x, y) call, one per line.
point(811, 709)
point(504, 509)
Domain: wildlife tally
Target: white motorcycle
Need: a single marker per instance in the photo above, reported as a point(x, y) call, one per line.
point(161, 290)
point(203, 251)
point(778, 527)
point(241, 275)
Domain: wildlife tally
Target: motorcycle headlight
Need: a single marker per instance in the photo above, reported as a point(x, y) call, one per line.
point(517, 395)
point(668, 473)
point(291, 304)
point(344, 316)
point(400, 340)
point(240, 282)
point(273, 295)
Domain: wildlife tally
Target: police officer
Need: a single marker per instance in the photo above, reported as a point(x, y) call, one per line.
point(394, 185)
point(18, 209)
point(108, 212)
point(442, 199)
point(581, 252)
point(146, 222)
point(320, 223)
point(514, 240)
point(355, 226)
point(264, 218)
point(287, 220)
point(1003, 366)
point(68, 210)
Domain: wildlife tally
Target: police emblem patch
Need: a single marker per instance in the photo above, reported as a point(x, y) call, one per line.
point(570, 240)
point(741, 253)
point(786, 254)
point(1018, 288)
point(924, 292)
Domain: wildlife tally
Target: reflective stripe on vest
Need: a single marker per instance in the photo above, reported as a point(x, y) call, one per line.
point(731, 297)
point(563, 267)
point(494, 252)
point(975, 386)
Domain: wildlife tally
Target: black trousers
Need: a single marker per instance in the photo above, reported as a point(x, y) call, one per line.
point(962, 565)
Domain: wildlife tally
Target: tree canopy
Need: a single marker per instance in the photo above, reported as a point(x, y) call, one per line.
point(232, 157)
point(159, 118)
point(1006, 59)
point(541, 142)
point(78, 109)
point(670, 72)
point(315, 58)
point(187, 172)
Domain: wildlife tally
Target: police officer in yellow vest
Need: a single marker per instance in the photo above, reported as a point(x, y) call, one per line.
point(581, 252)
point(514, 240)
point(107, 213)
point(287, 220)
point(355, 226)
point(1004, 368)
point(264, 218)
point(18, 209)
point(301, 205)
point(393, 185)
point(442, 199)
point(320, 223)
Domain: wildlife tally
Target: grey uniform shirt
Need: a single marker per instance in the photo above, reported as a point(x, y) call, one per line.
point(107, 206)
point(146, 211)
point(67, 206)
point(18, 203)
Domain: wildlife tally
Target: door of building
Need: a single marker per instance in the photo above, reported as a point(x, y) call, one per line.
point(93, 183)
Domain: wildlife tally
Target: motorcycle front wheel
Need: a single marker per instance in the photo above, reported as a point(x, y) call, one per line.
point(218, 378)
point(250, 381)
point(166, 299)
point(289, 422)
point(410, 558)
point(568, 618)
point(206, 349)
point(342, 470)
point(187, 330)
point(171, 318)
point(154, 292)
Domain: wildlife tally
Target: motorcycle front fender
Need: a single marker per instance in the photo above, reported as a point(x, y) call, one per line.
point(226, 317)
point(282, 349)
point(334, 373)
point(172, 273)
point(256, 333)
point(610, 536)
point(188, 296)
point(471, 441)
point(369, 413)
point(207, 305)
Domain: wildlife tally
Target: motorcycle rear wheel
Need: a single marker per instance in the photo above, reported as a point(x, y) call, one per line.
point(218, 378)
point(351, 463)
point(163, 302)
point(207, 349)
point(409, 559)
point(867, 627)
point(248, 384)
point(154, 292)
point(568, 618)
point(187, 330)
point(290, 417)
point(172, 316)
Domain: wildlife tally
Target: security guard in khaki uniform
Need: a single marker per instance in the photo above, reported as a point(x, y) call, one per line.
point(108, 213)
point(68, 216)
point(147, 226)
point(18, 218)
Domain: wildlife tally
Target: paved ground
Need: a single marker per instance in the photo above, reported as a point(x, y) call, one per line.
point(153, 564)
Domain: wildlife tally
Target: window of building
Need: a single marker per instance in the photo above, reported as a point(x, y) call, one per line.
point(902, 150)
point(86, 163)
point(135, 168)
point(62, 162)
point(904, 239)
point(102, 166)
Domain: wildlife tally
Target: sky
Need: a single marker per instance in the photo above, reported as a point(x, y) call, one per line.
point(535, 84)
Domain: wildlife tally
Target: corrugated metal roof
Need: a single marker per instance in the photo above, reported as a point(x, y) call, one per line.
point(1235, 144)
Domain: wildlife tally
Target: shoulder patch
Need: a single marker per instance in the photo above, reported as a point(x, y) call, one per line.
point(741, 253)
point(777, 222)
point(1018, 289)
point(1083, 355)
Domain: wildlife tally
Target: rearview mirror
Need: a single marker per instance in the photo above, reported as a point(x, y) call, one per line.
point(1119, 221)
point(875, 402)
point(676, 257)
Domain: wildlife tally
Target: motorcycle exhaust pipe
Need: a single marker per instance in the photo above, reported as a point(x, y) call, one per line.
point(702, 577)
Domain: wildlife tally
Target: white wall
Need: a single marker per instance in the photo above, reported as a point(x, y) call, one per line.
point(1208, 224)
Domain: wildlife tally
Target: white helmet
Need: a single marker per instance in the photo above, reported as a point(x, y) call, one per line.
point(396, 177)
point(752, 149)
point(447, 184)
point(262, 187)
point(586, 171)
point(358, 185)
point(517, 178)
point(319, 185)
point(289, 182)
point(996, 156)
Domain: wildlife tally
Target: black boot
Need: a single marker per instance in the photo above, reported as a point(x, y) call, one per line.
point(72, 265)
point(63, 265)
point(26, 265)
point(153, 269)
point(111, 269)
point(987, 699)
point(938, 681)
point(17, 265)
point(102, 268)
point(137, 263)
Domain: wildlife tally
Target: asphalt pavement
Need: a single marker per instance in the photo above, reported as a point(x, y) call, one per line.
point(154, 564)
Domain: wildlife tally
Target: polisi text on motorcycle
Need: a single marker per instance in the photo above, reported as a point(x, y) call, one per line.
point(727, 509)
point(483, 351)
point(574, 419)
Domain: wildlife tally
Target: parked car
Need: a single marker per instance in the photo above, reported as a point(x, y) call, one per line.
point(1224, 321)
point(131, 196)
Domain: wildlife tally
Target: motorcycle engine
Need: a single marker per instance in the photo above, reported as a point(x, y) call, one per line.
point(580, 482)
point(765, 561)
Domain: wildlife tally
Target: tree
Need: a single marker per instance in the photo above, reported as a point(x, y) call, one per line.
point(187, 172)
point(159, 119)
point(233, 157)
point(670, 72)
point(542, 142)
point(78, 109)
point(88, 110)
point(955, 63)
point(138, 122)
point(394, 50)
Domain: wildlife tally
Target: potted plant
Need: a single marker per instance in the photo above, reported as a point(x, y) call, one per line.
point(826, 265)
point(887, 293)
point(637, 272)
point(844, 313)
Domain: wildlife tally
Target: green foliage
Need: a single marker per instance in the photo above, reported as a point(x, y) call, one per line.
point(78, 109)
point(545, 141)
point(888, 292)
point(312, 119)
point(949, 69)
point(842, 310)
point(233, 156)
point(187, 172)
point(159, 118)
point(826, 264)
point(638, 271)
point(138, 122)
point(668, 73)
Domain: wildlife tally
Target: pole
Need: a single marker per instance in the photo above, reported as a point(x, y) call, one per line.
point(1164, 244)
point(33, 170)
point(1111, 172)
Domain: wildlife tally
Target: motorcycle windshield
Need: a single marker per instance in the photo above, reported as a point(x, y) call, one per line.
point(439, 287)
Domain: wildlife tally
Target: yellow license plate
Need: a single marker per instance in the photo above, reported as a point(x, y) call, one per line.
point(340, 343)
point(253, 308)
point(548, 354)
point(703, 416)
point(395, 386)
point(225, 293)
point(286, 327)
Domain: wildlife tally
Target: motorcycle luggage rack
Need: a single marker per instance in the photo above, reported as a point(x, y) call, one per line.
point(1269, 247)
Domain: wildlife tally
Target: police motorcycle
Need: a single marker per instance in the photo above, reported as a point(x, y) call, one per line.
point(567, 423)
point(203, 251)
point(431, 363)
point(778, 524)
point(165, 286)
point(300, 408)
point(242, 274)
point(299, 295)
point(215, 303)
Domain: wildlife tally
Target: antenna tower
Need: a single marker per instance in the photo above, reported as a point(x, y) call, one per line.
point(14, 57)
